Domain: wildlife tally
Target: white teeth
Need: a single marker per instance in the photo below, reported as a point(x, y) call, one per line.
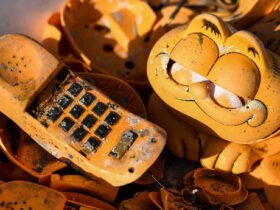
point(233, 101)
point(176, 67)
point(194, 76)
point(221, 95)
point(164, 60)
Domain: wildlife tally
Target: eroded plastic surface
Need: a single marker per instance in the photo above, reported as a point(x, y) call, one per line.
point(71, 119)
point(204, 91)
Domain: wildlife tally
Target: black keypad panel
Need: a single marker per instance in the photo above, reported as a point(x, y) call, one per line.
point(66, 124)
point(102, 131)
point(91, 145)
point(75, 89)
point(124, 144)
point(77, 111)
point(54, 113)
point(79, 133)
point(112, 118)
point(99, 108)
point(89, 121)
point(87, 99)
point(64, 101)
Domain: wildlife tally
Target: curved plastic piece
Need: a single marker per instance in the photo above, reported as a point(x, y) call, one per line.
point(270, 167)
point(173, 201)
point(27, 155)
point(253, 180)
point(183, 51)
point(109, 36)
point(27, 195)
point(271, 40)
point(252, 202)
point(51, 104)
point(272, 194)
point(95, 187)
point(218, 187)
point(156, 199)
point(86, 201)
point(139, 201)
point(249, 12)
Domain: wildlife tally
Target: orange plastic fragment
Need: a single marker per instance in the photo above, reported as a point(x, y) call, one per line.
point(85, 200)
point(270, 170)
point(268, 30)
point(101, 41)
point(10, 172)
point(166, 21)
point(52, 36)
point(249, 12)
point(215, 187)
point(27, 195)
point(253, 180)
point(95, 187)
point(140, 201)
point(170, 201)
point(27, 154)
point(272, 194)
point(252, 202)
point(156, 199)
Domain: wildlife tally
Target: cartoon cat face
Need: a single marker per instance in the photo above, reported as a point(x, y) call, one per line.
point(222, 81)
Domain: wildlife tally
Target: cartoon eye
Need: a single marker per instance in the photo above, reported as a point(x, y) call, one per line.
point(209, 25)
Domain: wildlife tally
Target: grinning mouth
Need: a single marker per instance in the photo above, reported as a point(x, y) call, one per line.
point(183, 76)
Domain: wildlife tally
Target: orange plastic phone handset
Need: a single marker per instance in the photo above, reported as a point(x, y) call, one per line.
point(218, 80)
point(70, 118)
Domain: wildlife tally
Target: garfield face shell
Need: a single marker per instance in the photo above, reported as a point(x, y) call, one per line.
point(219, 80)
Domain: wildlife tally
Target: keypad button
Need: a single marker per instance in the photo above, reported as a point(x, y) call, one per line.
point(102, 131)
point(66, 124)
point(99, 108)
point(77, 111)
point(75, 89)
point(89, 121)
point(87, 99)
point(91, 145)
point(112, 118)
point(64, 101)
point(124, 144)
point(54, 113)
point(79, 133)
